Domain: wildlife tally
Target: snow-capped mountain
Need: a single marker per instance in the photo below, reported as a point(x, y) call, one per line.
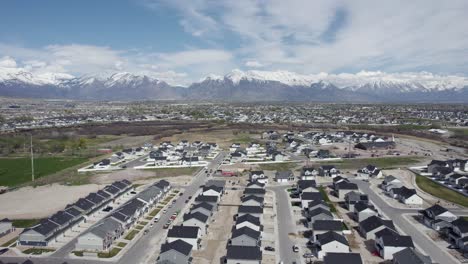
point(240, 86)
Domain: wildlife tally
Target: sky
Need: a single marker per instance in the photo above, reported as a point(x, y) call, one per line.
point(181, 41)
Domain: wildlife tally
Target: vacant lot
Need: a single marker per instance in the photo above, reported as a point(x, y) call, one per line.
point(278, 166)
point(437, 190)
point(15, 171)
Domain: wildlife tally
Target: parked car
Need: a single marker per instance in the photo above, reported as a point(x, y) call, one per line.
point(166, 226)
point(164, 211)
point(146, 232)
point(156, 219)
point(269, 248)
point(295, 248)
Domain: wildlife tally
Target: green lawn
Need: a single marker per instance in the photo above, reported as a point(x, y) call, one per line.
point(37, 251)
point(15, 171)
point(440, 191)
point(284, 166)
point(131, 234)
point(383, 163)
point(25, 223)
point(109, 254)
point(327, 199)
point(121, 244)
point(155, 212)
point(243, 138)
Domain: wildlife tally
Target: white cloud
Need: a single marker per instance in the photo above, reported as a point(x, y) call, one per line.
point(254, 64)
point(7, 62)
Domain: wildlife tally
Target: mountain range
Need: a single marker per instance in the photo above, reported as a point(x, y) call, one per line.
point(241, 86)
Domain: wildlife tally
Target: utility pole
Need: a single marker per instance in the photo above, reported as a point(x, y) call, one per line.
point(32, 160)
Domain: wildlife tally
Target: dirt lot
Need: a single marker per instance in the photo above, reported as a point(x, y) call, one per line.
point(42, 201)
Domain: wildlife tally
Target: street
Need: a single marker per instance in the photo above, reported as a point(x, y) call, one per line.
point(285, 225)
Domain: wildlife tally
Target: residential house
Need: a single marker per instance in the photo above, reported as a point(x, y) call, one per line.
point(307, 197)
point(258, 176)
point(354, 197)
point(243, 255)
point(344, 187)
point(328, 171)
point(318, 214)
point(410, 256)
point(362, 211)
point(204, 208)
point(306, 186)
point(323, 226)
point(256, 211)
point(245, 236)
point(373, 224)
point(252, 200)
point(309, 173)
point(254, 192)
point(101, 236)
point(437, 217)
point(249, 221)
point(458, 233)
point(188, 234)
point(387, 245)
point(284, 176)
point(255, 185)
point(330, 242)
point(196, 219)
point(177, 252)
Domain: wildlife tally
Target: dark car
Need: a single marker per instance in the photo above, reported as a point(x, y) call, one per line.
point(269, 248)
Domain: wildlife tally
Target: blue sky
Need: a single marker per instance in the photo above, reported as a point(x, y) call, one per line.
point(184, 40)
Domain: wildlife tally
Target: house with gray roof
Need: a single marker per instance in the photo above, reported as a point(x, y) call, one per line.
point(196, 219)
point(410, 256)
point(188, 234)
point(100, 236)
point(245, 236)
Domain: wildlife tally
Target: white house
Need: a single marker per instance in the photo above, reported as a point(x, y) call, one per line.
point(331, 242)
point(189, 234)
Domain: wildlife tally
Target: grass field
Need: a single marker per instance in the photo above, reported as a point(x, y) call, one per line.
point(131, 234)
point(109, 254)
point(437, 190)
point(243, 138)
point(25, 223)
point(15, 171)
point(37, 251)
point(121, 244)
point(278, 166)
point(383, 163)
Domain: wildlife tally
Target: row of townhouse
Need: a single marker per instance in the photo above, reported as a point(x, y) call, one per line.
point(49, 229)
point(244, 247)
point(394, 188)
point(101, 236)
point(183, 153)
point(184, 238)
point(342, 186)
point(449, 225)
point(327, 242)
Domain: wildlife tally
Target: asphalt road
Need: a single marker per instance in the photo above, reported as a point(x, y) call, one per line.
point(438, 254)
point(140, 251)
point(286, 225)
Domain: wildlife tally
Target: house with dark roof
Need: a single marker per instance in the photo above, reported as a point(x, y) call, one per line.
point(164, 185)
point(316, 204)
point(252, 200)
point(255, 185)
point(309, 173)
point(245, 236)
point(318, 214)
point(211, 199)
point(387, 245)
point(406, 196)
point(341, 258)
point(344, 187)
point(354, 197)
point(458, 233)
point(431, 167)
point(243, 255)
point(254, 191)
point(307, 197)
point(306, 186)
point(323, 226)
point(437, 217)
point(410, 256)
point(256, 211)
point(129, 212)
point(39, 235)
point(249, 221)
point(330, 242)
point(204, 208)
point(196, 219)
point(258, 176)
point(177, 252)
point(284, 176)
point(362, 211)
point(373, 224)
point(188, 234)
point(212, 190)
